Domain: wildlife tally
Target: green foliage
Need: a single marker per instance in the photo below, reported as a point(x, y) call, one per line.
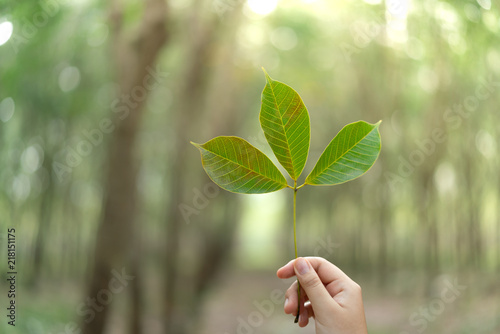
point(237, 166)
point(285, 121)
point(348, 156)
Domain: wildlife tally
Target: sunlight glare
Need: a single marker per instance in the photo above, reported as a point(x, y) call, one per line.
point(7, 107)
point(6, 29)
point(262, 7)
point(445, 179)
point(69, 78)
point(486, 4)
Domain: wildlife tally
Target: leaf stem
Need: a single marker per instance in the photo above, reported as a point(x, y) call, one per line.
point(295, 242)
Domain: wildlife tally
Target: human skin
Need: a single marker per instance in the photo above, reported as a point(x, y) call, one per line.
point(335, 300)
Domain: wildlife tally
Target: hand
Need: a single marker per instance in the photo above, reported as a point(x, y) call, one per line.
point(335, 299)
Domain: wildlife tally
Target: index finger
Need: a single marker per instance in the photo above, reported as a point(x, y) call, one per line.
point(327, 272)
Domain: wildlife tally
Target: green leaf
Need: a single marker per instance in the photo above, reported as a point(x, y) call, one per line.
point(285, 121)
point(237, 166)
point(349, 155)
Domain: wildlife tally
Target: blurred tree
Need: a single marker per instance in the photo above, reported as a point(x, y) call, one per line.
point(116, 244)
point(208, 51)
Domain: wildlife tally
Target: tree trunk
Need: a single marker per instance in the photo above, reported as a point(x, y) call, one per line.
point(43, 226)
point(114, 238)
point(183, 298)
point(190, 97)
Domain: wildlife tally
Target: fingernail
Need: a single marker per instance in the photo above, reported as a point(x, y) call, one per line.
point(302, 266)
point(301, 318)
point(286, 302)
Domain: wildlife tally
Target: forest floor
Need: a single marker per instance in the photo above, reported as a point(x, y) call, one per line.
point(244, 304)
point(252, 302)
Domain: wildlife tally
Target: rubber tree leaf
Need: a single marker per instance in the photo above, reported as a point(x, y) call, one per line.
point(237, 166)
point(349, 155)
point(285, 121)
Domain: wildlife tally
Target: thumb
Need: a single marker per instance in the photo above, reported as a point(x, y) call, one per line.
point(311, 283)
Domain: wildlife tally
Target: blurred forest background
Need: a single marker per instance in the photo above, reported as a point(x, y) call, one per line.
point(98, 103)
